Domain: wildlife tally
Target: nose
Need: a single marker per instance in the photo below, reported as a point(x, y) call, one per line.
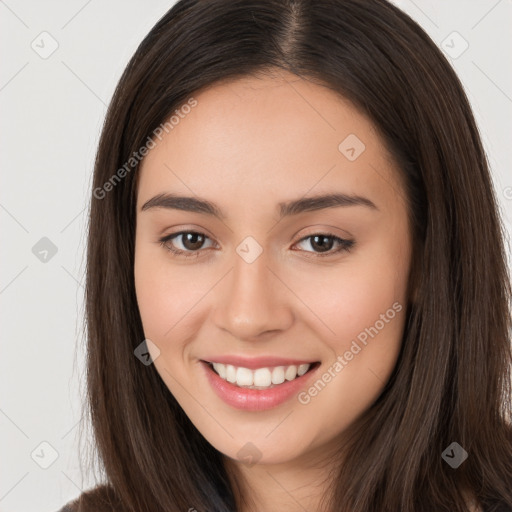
point(253, 302)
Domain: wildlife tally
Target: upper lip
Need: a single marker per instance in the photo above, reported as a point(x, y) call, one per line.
point(256, 362)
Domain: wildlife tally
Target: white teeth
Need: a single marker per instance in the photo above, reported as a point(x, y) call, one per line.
point(278, 375)
point(230, 373)
point(262, 377)
point(303, 368)
point(244, 377)
point(291, 372)
point(220, 369)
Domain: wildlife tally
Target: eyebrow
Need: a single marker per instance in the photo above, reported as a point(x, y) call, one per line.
point(286, 209)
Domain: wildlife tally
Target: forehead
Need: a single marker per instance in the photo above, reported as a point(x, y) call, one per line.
point(259, 136)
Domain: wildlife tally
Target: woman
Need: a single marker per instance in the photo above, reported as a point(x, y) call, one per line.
point(297, 295)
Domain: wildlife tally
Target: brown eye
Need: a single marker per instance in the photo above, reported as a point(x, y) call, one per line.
point(322, 244)
point(191, 242)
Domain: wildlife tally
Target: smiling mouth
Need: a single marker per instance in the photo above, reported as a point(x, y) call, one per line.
point(261, 378)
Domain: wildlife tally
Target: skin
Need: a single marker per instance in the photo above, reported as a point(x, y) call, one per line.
point(246, 146)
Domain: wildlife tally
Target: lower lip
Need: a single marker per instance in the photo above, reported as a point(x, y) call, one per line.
point(255, 399)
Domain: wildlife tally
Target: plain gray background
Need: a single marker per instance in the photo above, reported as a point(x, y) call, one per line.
point(52, 109)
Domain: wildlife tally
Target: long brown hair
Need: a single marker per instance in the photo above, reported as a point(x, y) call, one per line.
point(452, 381)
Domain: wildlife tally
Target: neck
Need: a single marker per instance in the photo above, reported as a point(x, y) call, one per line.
point(293, 486)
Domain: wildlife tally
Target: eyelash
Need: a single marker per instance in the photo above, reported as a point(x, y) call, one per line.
point(344, 245)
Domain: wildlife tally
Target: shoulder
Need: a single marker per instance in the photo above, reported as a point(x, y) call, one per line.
point(98, 499)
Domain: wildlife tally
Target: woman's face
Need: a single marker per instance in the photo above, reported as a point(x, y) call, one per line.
point(271, 279)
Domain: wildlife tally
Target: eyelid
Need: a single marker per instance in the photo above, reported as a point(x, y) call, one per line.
point(344, 244)
point(167, 238)
point(315, 229)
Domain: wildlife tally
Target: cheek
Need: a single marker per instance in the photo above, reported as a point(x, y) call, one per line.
point(151, 298)
point(362, 307)
point(157, 292)
point(169, 297)
point(349, 299)
point(365, 312)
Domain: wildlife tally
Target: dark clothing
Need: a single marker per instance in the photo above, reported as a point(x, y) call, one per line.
point(72, 506)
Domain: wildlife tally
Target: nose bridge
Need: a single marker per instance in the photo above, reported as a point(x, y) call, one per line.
point(251, 302)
